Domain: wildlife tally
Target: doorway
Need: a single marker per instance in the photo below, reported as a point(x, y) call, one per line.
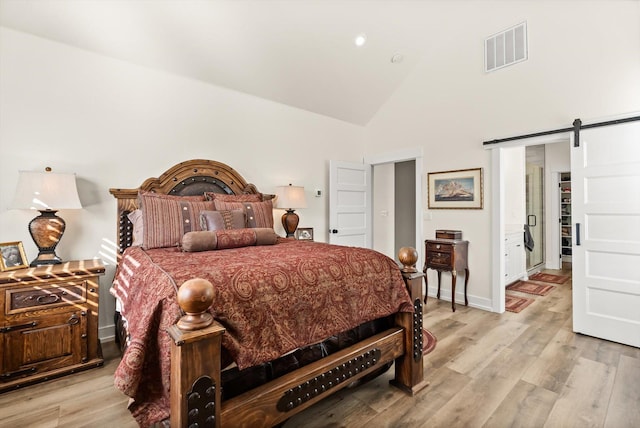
point(510, 204)
point(397, 201)
point(388, 200)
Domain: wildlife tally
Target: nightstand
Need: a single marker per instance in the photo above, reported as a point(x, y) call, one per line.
point(49, 322)
point(448, 255)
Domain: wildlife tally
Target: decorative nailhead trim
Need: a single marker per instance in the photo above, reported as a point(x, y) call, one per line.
point(204, 179)
point(186, 214)
point(201, 403)
point(304, 392)
point(125, 231)
point(417, 330)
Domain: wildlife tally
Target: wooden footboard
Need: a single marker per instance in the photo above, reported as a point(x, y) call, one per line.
point(196, 367)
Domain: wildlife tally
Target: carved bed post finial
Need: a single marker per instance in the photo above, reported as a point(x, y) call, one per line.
point(195, 296)
point(408, 256)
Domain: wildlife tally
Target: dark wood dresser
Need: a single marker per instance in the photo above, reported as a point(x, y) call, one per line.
point(448, 255)
point(49, 322)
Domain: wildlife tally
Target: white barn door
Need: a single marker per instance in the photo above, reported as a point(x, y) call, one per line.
point(605, 180)
point(350, 204)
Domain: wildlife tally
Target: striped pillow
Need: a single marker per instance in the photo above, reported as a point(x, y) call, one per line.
point(168, 218)
point(258, 214)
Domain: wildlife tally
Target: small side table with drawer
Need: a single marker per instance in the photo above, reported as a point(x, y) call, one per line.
point(447, 255)
point(49, 322)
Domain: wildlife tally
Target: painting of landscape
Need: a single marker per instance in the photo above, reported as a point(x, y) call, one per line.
point(460, 189)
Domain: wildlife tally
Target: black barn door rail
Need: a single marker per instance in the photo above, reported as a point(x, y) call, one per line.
point(577, 126)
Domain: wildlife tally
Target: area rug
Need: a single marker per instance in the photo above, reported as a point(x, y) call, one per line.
point(428, 341)
point(531, 288)
point(548, 277)
point(516, 304)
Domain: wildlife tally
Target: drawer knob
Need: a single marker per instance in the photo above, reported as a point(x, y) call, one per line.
point(438, 246)
point(74, 320)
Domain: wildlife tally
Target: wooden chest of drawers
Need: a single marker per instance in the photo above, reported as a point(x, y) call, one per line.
point(447, 255)
point(48, 322)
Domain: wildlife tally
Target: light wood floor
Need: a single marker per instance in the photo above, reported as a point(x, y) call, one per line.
point(488, 370)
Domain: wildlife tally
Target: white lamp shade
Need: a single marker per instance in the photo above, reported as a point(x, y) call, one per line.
point(290, 197)
point(46, 191)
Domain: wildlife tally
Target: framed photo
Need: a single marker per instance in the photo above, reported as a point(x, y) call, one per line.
point(12, 256)
point(304, 234)
point(460, 189)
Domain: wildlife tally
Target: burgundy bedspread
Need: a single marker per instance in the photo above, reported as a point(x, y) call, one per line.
point(271, 299)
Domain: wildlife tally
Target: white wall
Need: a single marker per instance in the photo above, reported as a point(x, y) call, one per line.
point(115, 124)
point(514, 189)
point(583, 62)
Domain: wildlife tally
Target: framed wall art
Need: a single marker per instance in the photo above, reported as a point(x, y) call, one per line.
point(12, 256)
point(459, 189)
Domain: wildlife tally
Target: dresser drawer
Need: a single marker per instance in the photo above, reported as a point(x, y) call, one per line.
point(439, 259)
point(45, 296)
point(438, 247)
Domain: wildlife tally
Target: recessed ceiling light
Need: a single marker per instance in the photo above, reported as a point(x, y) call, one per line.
point(397, 58)
point(360, 39)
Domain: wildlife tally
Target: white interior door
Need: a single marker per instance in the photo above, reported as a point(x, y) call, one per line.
point(350, 204)
point(605, 187)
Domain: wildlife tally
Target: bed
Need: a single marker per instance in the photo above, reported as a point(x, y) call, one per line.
point(223, 323)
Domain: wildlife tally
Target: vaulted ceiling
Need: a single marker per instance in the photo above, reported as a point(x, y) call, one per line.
point(300, 53)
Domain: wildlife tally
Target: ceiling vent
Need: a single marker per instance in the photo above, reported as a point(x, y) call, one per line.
point(506, 48)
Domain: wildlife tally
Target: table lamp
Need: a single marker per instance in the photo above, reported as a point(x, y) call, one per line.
point(46, 192)
point(290, 198)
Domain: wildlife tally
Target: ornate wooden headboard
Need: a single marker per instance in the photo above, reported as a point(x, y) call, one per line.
point(192, 177)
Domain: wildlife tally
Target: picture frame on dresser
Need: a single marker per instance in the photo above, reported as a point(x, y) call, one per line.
point(304, 234)
point(13, 256)
point(456, 189)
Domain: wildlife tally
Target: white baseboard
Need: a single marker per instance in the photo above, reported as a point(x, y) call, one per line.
point(474, 301)
point(107, 333)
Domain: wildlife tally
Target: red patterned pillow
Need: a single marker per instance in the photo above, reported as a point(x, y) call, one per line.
point(259, 214)
point(248, 197)
point(167, 218)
